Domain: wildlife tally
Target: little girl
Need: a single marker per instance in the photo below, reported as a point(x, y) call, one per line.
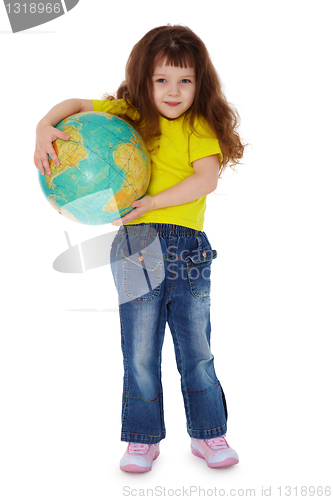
point(161, 258)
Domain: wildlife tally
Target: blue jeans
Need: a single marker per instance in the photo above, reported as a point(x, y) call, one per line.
point(162, 274)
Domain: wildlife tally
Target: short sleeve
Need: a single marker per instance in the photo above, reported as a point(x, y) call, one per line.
point(115, 107)
point(203, 142)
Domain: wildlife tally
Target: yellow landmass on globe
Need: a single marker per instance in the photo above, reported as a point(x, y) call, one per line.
point(129, 158)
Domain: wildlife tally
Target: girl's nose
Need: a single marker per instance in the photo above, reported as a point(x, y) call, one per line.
point(173, 91)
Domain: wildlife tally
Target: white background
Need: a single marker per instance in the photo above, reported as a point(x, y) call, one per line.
point(271, 223)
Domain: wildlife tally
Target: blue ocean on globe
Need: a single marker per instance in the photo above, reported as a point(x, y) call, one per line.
point(104, 167)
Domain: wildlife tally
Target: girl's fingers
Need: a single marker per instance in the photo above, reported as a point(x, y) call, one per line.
point(63, 136)
point(39, 163)
point(134, 214)
point(45, 164)
point(123, 220)
point(117, 222)
point(54, 157)
point(44, 149)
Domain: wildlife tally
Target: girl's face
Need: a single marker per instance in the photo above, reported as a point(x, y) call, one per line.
point(173, 89)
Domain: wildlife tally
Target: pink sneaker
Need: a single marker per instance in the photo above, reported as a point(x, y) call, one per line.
point(139, 457)
point(215, 451)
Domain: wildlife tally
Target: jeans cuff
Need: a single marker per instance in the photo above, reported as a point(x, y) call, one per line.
point(212, 433)
point(142, 438)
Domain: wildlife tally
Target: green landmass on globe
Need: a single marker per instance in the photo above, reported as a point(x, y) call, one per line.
point(104, 167)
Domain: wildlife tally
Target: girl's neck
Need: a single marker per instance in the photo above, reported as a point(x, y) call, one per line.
point(174, 119)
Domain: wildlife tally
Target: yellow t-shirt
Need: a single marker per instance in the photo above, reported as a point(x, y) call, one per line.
point(172, 162)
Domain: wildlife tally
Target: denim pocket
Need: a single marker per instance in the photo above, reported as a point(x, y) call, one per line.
point(198, 270)
point(142, 275)
point(137, 265)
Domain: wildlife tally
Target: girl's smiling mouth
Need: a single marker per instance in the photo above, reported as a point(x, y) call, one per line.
point(172, 104)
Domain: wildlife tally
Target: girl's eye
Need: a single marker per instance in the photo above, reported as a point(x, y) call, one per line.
point(185, 80)
point(161, 80)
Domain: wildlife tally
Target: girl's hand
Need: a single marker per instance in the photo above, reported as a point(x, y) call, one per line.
point(45, 136)
point(142, 206)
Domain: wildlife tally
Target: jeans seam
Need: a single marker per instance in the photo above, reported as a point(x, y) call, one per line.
point(199, 242)
point(150, 401)
point(182, 372)
point(204, 390)
point(190, 280)
point(209, 430)
point(124, 408)
point(146, 435)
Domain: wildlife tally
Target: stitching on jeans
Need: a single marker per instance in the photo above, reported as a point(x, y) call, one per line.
point(190, 279)
point(204, 390)
point(148, 435)
point(165, 231)
point(209, 430)
point(124, 409)
point(182, 365)
point(148, 296)
point(146, 400)
point(173, 238)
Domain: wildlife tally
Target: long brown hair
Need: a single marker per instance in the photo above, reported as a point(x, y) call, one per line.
point(179, 46)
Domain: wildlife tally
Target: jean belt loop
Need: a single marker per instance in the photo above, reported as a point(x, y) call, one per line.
point(198, 237)
point(127, 240)
point(146, 229)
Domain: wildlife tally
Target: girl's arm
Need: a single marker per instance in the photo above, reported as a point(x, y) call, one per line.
point(203, 181)
point(46, 133)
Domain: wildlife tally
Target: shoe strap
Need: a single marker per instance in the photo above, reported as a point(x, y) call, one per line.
point(217, 443)
point(138, 448)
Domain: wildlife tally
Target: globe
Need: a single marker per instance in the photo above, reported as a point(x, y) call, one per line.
point(104, 167)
